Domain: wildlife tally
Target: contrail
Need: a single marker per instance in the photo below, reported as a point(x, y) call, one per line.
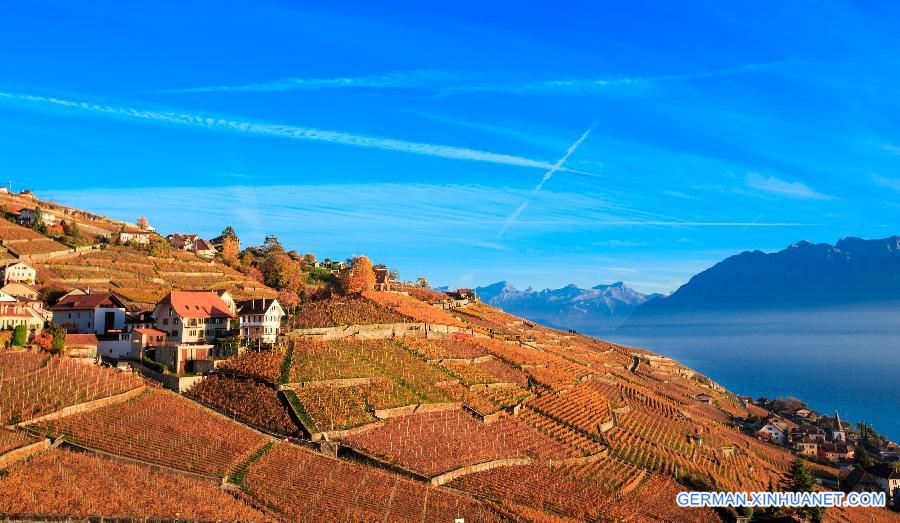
point(547, 175)
point(284, 131)
point(752, 223)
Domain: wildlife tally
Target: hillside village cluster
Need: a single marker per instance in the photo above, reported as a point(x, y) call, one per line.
point(190, 333)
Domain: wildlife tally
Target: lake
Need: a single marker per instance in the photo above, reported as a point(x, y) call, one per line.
point(823, 362)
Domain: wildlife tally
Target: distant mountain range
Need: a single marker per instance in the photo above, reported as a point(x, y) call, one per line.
point(850, 273)
point(598, 309)
point(803, 276)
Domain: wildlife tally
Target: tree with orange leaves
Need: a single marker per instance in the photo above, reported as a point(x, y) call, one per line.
point(360, 277)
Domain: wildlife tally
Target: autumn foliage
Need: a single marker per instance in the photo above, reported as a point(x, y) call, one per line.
point(360, 277)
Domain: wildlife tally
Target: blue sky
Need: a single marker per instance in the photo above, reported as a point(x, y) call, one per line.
point(541, 143)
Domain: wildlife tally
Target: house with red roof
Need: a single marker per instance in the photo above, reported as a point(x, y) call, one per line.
point(191, 320)
point(17, 312)
point(193, 316)
point(90, 312)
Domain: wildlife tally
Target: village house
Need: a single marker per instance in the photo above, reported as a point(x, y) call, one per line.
point(134, 235)
point(141, 339)
point(193, 316)
point(703, 398)
point(182, 242)
point(20, 290)
point(192, 243)
point(82, 346)
point(260, 320)
point(807, 432)
point(771, 432)
point(139, 320)
point(84, 313)
point(204, 248)
point(28, 215)
point(382, 279)
point(807, 446)
point(19, 272)
point(881, 477)
point(836, 451)
point(228, 299)
point(14, 313)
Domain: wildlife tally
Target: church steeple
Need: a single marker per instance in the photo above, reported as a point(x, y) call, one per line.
point(837, 421)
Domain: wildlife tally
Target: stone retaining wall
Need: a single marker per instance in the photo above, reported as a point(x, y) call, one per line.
point(447, 477)
point(380, 331)
point(169, 381)
point(336, 383)
point(23, 452)
point(85, 407)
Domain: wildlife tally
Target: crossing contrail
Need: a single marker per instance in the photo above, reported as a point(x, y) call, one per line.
point(546, 178)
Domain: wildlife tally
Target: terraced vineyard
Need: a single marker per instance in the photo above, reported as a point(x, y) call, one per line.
point(304, 486)
point(10, 440)
point(161, 427)
point(65, 483)
point(438, 442)
point(143, 280)
point(247, 400)
point(343, 311)
point(532, 424)
point(33, 384)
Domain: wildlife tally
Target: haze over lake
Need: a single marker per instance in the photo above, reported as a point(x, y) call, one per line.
point(837, 359)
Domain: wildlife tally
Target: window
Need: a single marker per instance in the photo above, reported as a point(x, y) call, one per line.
point(165, 321)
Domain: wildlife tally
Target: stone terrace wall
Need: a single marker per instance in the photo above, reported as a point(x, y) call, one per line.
point(381, 331)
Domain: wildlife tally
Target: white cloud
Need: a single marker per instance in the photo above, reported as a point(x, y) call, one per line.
point(395, 80)
point(891, 183)
point(448, 84)
point(622, 86)
point(891, 148)
point(778, 187)
point(279, 130)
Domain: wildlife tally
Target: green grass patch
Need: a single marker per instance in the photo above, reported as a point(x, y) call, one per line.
point(241, 471)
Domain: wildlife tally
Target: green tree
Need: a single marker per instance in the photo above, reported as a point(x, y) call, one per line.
point(59, 338)
point(38, 223)
point(229, 232)
point(861, 457)
point(800, 479)
point(20, 336)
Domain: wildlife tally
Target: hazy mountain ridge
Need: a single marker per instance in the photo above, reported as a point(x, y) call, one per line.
point(804, 275)
point(571, 307)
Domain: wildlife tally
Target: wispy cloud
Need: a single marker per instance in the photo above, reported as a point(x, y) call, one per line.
point(778, 187)
point(884, 181)
point(625, 85)
point(891, 148)
point(393, 80)
point(279, 130)
point(544, 179)
point(449, 84)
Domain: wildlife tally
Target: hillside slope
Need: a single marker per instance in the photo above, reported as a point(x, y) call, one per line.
point(489, 417)
point(141, 275)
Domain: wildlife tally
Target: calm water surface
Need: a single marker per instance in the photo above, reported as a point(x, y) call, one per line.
point(856, 373)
